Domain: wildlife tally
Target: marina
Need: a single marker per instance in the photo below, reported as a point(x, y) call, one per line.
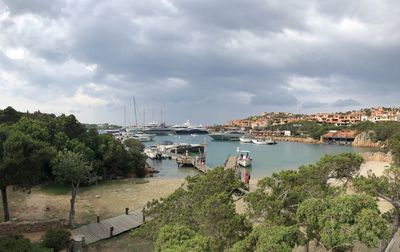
point(266, 159)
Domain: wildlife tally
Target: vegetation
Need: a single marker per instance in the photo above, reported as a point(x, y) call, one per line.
point(288, 209)
point(71, 168)
point(205, 207)
point(180, 238)
point(306, 128)
point(17, 243)
point(292, 208)
point(339, 222)
point(57, 239)
point(380, 131)
point(29, 143)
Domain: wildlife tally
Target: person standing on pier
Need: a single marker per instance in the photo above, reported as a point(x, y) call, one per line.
point(246, 178)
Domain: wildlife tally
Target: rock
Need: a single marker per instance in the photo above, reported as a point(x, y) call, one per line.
point(377, 156)
point(98, 196)
point(364, 140)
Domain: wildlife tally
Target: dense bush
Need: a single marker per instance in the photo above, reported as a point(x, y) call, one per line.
point(18, 243)
point(57, 239)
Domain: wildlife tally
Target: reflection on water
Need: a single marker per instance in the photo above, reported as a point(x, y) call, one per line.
point(266, 158)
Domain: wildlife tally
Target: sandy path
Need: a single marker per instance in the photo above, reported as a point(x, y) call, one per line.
point(375, 167)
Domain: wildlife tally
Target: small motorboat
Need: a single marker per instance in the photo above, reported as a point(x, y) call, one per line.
point(271, 142)
point(244, 158)
point(259, 141)
point(245, 139)
point(153, 153)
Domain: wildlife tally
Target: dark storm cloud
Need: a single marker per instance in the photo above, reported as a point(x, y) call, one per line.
point(213, 59)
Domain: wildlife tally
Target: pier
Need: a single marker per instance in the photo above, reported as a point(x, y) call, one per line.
point(231, 163)
point(108, 228)
point(198, 162)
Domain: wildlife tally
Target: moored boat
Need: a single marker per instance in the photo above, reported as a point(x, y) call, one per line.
point(227, 136)
point(245, 139)
point(259, 141)
point(244, 158)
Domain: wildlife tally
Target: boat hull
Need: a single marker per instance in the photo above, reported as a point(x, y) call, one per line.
point(191, 131)
point(226, 137)
point(245, 140)
point(259, 142)
point(244, 162)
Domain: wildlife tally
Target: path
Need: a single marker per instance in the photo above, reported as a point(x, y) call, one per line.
point(231, 163)
point(99, 231)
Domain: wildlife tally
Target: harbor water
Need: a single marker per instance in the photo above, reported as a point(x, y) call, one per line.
point(266, 158)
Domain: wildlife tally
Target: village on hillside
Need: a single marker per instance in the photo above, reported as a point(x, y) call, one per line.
point(378, 114)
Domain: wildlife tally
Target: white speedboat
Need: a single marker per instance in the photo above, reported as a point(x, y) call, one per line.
point(153, 153)
point(259, 141)
point(244, 158)
point(143, 137)
point(245, 139)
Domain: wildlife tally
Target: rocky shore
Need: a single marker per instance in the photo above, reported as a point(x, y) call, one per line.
point(377, 156)
point(307, 140)
point(364, 140)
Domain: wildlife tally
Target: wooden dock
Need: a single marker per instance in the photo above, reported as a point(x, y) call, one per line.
point(231, 163)
point(183, 160)
point(108, 228)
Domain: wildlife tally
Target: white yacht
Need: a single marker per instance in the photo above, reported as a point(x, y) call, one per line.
point(259, 141)
point(153, 153)
point(245, 139)
point(244, 158)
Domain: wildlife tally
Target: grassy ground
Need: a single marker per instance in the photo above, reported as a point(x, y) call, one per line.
point(107, 199)
point(122, 243)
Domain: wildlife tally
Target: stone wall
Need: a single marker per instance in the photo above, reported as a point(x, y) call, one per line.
point(16, 227)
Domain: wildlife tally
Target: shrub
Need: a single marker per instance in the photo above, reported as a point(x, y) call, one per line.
point(57, 239)
point(17, 243)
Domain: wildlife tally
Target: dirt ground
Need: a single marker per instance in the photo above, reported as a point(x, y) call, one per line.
point(106, 200)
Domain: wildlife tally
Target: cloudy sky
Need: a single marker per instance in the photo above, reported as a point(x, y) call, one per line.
point(203, 60)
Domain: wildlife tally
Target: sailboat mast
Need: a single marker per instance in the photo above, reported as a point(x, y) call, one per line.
point(161, 119)
point(125, 116)
point(134, 107)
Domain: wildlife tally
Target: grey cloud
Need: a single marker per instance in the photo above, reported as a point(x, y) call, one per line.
point(346, 103)
point(219, 47)
point(278, 97)
point(47, 7)
point(314, 104)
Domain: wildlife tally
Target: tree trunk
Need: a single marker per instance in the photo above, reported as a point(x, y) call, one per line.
point(6, 212)
point(75, 189)
point(385, 245)
point(307, 246)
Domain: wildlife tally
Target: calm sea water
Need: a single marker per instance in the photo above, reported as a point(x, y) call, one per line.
point(266, 158)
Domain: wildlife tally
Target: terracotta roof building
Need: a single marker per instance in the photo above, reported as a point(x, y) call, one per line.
point(345, 137)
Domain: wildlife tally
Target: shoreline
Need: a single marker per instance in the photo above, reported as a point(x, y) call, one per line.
point(309, 140)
